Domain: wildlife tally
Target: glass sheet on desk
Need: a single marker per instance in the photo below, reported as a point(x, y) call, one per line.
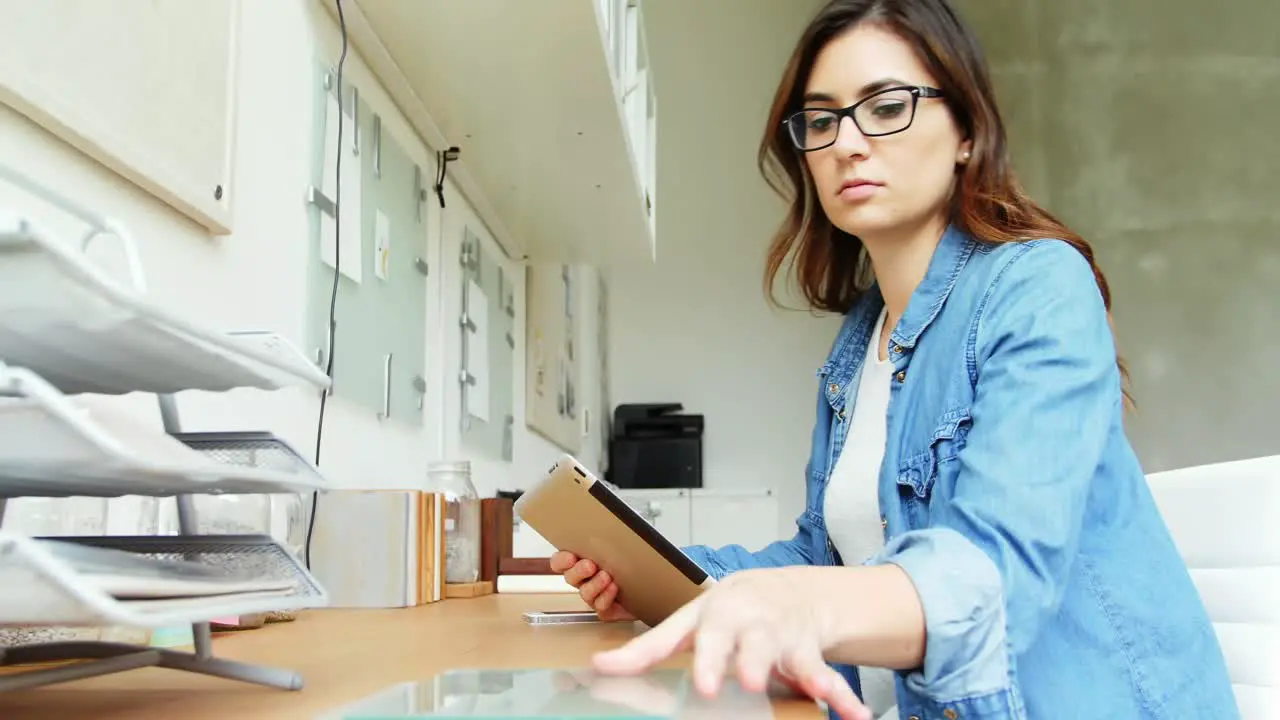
point(543, 693)
point(540, 694)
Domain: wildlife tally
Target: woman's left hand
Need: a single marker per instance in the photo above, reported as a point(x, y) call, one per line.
point(762, 621)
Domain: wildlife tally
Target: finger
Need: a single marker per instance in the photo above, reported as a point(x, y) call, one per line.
point(562, 560)
point(616, 613)
point(580, 572)
point(712, 647)
point(606, 597)
point(666, 639)
point(593, 587)
point(757, 654)
point(823, 683)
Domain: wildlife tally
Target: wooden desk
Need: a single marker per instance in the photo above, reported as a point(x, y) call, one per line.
point(344, 656)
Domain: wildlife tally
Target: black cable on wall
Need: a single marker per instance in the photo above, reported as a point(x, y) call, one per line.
point(337, 264)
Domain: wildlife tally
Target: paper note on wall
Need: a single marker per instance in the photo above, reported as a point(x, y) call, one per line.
point(351, 240)
point(381, 245)
point(478, 352)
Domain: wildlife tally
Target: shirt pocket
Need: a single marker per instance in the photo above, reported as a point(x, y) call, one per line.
point(922, 471)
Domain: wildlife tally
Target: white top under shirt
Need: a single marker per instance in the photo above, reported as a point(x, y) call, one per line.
point(852, 502)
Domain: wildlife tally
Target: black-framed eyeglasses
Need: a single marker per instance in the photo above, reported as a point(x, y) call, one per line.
point(884, 112)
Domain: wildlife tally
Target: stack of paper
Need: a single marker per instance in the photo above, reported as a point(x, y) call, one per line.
point(379, 548)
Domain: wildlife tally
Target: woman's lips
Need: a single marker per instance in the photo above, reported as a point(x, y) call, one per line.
point(859, 190)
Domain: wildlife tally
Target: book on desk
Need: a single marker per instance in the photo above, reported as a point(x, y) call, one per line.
point(386, 549)
point(380, 548)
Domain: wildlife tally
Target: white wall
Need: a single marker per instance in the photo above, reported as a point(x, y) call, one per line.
point(695, 327)
point(255, 279)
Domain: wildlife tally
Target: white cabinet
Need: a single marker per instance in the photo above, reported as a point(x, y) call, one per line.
point(747, 517)
point(670, 511)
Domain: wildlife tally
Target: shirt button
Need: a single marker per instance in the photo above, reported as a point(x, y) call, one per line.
point(841, 414)
point(897, 349)
point(834, 388)
point(914, 717)
point(950, 714)
point(884, 523)
point(901, 376)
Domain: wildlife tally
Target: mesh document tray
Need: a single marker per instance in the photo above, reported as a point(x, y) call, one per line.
point(63, 317)
point(38, 589)
point(253, 449)
point(54, 445)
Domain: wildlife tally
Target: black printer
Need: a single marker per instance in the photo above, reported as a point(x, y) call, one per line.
point(652, 446)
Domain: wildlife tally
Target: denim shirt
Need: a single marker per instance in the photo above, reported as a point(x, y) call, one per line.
point(1012, 499)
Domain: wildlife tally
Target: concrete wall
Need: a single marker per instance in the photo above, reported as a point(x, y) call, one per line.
point(1150, 127)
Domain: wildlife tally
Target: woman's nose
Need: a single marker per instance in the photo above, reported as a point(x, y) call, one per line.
point(850, 140)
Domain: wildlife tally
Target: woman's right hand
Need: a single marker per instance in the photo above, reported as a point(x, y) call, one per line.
point(595, 586)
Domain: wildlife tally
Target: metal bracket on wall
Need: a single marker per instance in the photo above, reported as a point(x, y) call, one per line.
point(322, 357)
point(377, 146)
point(502, 286)
point(355, 121)
point(419, 193)
point(466, 380)
point(321, 201)
point(386, 388)
point(420, 384)
point(421, 266)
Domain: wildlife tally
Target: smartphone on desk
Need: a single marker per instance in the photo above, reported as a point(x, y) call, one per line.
point(560, 617)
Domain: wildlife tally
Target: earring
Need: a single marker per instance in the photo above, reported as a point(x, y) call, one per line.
point(964, 156)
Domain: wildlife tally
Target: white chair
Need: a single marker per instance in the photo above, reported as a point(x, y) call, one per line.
point(1225, 520)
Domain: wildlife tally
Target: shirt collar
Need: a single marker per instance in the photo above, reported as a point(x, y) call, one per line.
point(953, 251)
point(949, 258)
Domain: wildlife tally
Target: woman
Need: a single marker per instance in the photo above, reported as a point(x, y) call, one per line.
point(977, 521)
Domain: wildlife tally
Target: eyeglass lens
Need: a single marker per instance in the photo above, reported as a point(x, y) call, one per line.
point(883, 114)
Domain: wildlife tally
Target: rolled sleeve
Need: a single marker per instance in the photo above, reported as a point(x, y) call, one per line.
point(705, 557)
point(1004, 524)
point(962, 595)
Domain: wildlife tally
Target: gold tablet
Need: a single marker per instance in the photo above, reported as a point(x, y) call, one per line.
point(577, 513)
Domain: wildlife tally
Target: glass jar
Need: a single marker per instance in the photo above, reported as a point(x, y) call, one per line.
point(461, 519)
point(57, 517)
point(289, 521)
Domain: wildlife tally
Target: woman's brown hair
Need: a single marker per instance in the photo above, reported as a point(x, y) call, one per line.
point(989, 203)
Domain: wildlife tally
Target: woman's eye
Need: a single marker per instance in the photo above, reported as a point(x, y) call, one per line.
point(822, 122)
point(888, 109)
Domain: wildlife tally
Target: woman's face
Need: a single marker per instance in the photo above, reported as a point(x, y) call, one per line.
point(872, 186)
